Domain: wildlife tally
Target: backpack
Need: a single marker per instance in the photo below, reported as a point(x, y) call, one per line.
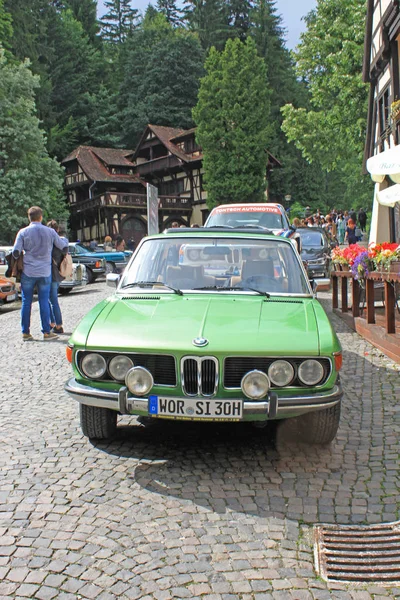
point(66, 266)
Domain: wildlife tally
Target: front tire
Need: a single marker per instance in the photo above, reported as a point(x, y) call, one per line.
point(110, 268)
point(90, 277)
point(98, 423)
point(319, 427)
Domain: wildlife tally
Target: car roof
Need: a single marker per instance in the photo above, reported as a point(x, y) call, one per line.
point(252, 204)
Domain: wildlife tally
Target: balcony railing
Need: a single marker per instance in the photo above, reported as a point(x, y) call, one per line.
point(158, 164)
point(121, 200)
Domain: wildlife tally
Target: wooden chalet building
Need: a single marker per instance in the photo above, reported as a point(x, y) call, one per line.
point(382, 150)
point(107, 188)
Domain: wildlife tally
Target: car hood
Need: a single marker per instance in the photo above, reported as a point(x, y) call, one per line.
point(110, 256)
point(235, 324)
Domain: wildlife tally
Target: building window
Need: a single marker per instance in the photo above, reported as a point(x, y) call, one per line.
point(384, 111)
point(172, 188)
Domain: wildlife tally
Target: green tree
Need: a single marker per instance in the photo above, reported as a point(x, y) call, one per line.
point(6, 29)
point(27, 175)
point(233, 124)
point(171, 11)
point(239, 15)
point(119, 21)
point(330, 131)
point(210, 20)
point(85, 11)
point(161, 77)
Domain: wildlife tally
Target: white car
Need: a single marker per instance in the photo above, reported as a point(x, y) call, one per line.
point(77, 279)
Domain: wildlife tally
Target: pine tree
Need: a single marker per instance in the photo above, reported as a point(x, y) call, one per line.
point(239, 15)
point(233, 124)
point(6, 29)
point(210, 20)
point(171, 12)
point(27, 175)
point(119, 21)
point(161, 77)
point(85, 11)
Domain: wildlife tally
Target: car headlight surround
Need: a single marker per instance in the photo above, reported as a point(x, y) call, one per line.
point(310, 372)
point(119, 366)
point(255, 384)
point(139, 381)
point(93, 365)
point(281, 373)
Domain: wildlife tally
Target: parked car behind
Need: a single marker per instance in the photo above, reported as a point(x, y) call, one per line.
point(77, 279)
point(267, 215)
point(8, 291)
point(316, 251)
point(115, 261)
point(209, 325)
point(94, 263)
point(3, 262)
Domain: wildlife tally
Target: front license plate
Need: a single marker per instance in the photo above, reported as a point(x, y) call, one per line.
point(11, 298)
point(195, 409)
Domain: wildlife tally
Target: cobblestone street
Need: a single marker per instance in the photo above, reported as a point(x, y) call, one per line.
point(165, 511)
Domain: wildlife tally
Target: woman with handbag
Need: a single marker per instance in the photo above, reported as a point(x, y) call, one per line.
point(56, 323)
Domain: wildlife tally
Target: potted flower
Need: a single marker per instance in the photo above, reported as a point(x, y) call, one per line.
point(395, 111)
point(340, 262)
point(351, 253)
point(361, 267)
point(386, 257)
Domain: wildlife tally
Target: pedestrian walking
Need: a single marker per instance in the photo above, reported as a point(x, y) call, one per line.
point(56, 322)
point(362, 219)
point(36, 242)
point(341, 228)
point(350, 235)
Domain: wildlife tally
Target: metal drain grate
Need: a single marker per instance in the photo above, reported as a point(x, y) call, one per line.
point(358, 554)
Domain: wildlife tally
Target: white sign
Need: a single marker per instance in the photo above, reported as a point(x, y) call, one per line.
point(152, 210)
point(389, 196)
point(385, 163)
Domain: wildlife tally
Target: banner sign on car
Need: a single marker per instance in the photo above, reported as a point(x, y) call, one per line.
point(267, 208)
point(152, 210)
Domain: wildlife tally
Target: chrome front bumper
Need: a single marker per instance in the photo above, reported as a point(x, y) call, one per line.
point(276, 406)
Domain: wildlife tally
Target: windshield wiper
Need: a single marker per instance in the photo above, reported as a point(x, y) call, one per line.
point(265, 229)
point(218, 288)
point(152, 283)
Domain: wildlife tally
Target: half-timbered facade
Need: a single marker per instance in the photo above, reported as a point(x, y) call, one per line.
point(107, 187)
point(382, 150)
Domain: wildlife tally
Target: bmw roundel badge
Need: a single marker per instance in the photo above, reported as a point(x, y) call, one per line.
point(200, 342)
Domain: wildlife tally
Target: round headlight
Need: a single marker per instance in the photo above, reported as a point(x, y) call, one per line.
point(281, 373)
point(94, 365)
point(139, 381)
point(255, 385)
point(310, 372)
point(119, 366)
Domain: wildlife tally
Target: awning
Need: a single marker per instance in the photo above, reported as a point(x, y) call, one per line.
point(389, 196)
point(385, 163)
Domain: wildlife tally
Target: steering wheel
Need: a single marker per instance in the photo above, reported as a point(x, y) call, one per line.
point(264, 283)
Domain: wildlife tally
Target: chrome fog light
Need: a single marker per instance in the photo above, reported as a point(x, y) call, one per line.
point(255, 385)
point(119, 366)
point(281, 373)
point(139, 381)
point(94, 365)
point(310, 372)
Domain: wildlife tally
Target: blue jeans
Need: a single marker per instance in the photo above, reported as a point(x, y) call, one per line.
point(55, 310)
point(43, 289)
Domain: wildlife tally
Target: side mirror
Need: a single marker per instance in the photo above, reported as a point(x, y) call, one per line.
point(112, 279)
point(320, 285)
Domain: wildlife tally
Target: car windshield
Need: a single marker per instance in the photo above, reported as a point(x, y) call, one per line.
point(311, 239)
point(214, 264)
point(270, 218)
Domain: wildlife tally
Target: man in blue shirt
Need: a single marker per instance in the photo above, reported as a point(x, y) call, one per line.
point(36, 241)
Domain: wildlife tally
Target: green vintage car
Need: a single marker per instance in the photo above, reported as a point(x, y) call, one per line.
point(209, 325)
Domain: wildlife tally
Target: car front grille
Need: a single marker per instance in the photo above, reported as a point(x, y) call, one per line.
point(6, 288)
point(199, 375)
point(161, 366)
point(236, 368)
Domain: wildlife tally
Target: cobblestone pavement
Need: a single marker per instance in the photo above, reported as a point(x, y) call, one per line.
point(181, 511)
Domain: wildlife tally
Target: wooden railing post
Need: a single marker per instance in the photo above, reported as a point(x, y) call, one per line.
point(345, 304)
point(355, 298)
point(335, 302)
point(370, 298)
point(390, 301)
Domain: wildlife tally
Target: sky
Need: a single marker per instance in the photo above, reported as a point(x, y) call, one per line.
point(292, 12)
